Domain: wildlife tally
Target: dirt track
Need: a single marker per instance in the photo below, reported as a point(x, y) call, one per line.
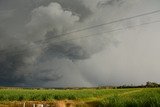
point(63, 103)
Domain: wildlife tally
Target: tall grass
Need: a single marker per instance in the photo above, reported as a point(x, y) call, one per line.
point(141, 97)
point(45, 95)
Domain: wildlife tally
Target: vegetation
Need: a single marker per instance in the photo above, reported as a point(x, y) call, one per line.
point(132, 97)
point(51, 94)
point(138, 98)
point(148, 84)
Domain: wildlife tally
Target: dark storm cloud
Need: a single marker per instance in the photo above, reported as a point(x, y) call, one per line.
point(67, 50)
point(17, 58)
point(41, 76)
point(10, 62)
point(34, 53)
point(8, 67)
point(24, 23)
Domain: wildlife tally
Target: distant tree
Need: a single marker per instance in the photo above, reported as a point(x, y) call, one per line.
point(151, 84)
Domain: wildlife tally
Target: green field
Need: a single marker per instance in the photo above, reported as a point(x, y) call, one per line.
point(134, 97)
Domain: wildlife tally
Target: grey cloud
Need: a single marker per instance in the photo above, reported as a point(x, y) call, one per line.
point(67, 50)
point(18, 61)
point(105, 3)
point(56, 60)
point(9, 65)
point(76, 6)
point(40, 20)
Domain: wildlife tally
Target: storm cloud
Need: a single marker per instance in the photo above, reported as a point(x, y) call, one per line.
point(23, 23)
point(42, 44)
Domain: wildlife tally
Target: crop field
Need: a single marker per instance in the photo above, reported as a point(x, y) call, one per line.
point(133, 97)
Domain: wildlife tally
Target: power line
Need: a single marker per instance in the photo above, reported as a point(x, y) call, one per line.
point(91, 27)
point(95, 34)
point(110, 31)
point(103, 24)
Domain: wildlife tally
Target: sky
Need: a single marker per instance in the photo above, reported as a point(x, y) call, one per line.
point(52, 43)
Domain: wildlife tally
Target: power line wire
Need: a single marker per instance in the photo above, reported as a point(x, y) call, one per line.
point(110, 31)
point(91, 27)
point(103, 24)
point(95, 34)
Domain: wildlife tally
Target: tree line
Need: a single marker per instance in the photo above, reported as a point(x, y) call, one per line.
point(147, 85)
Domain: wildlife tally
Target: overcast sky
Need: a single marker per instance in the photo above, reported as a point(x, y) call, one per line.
point(36, 49)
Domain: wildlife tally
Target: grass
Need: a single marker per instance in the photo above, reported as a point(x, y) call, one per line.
point(45, 95)
point(138, 97)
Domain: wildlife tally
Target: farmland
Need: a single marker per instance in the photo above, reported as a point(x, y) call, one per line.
point(133, 97)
